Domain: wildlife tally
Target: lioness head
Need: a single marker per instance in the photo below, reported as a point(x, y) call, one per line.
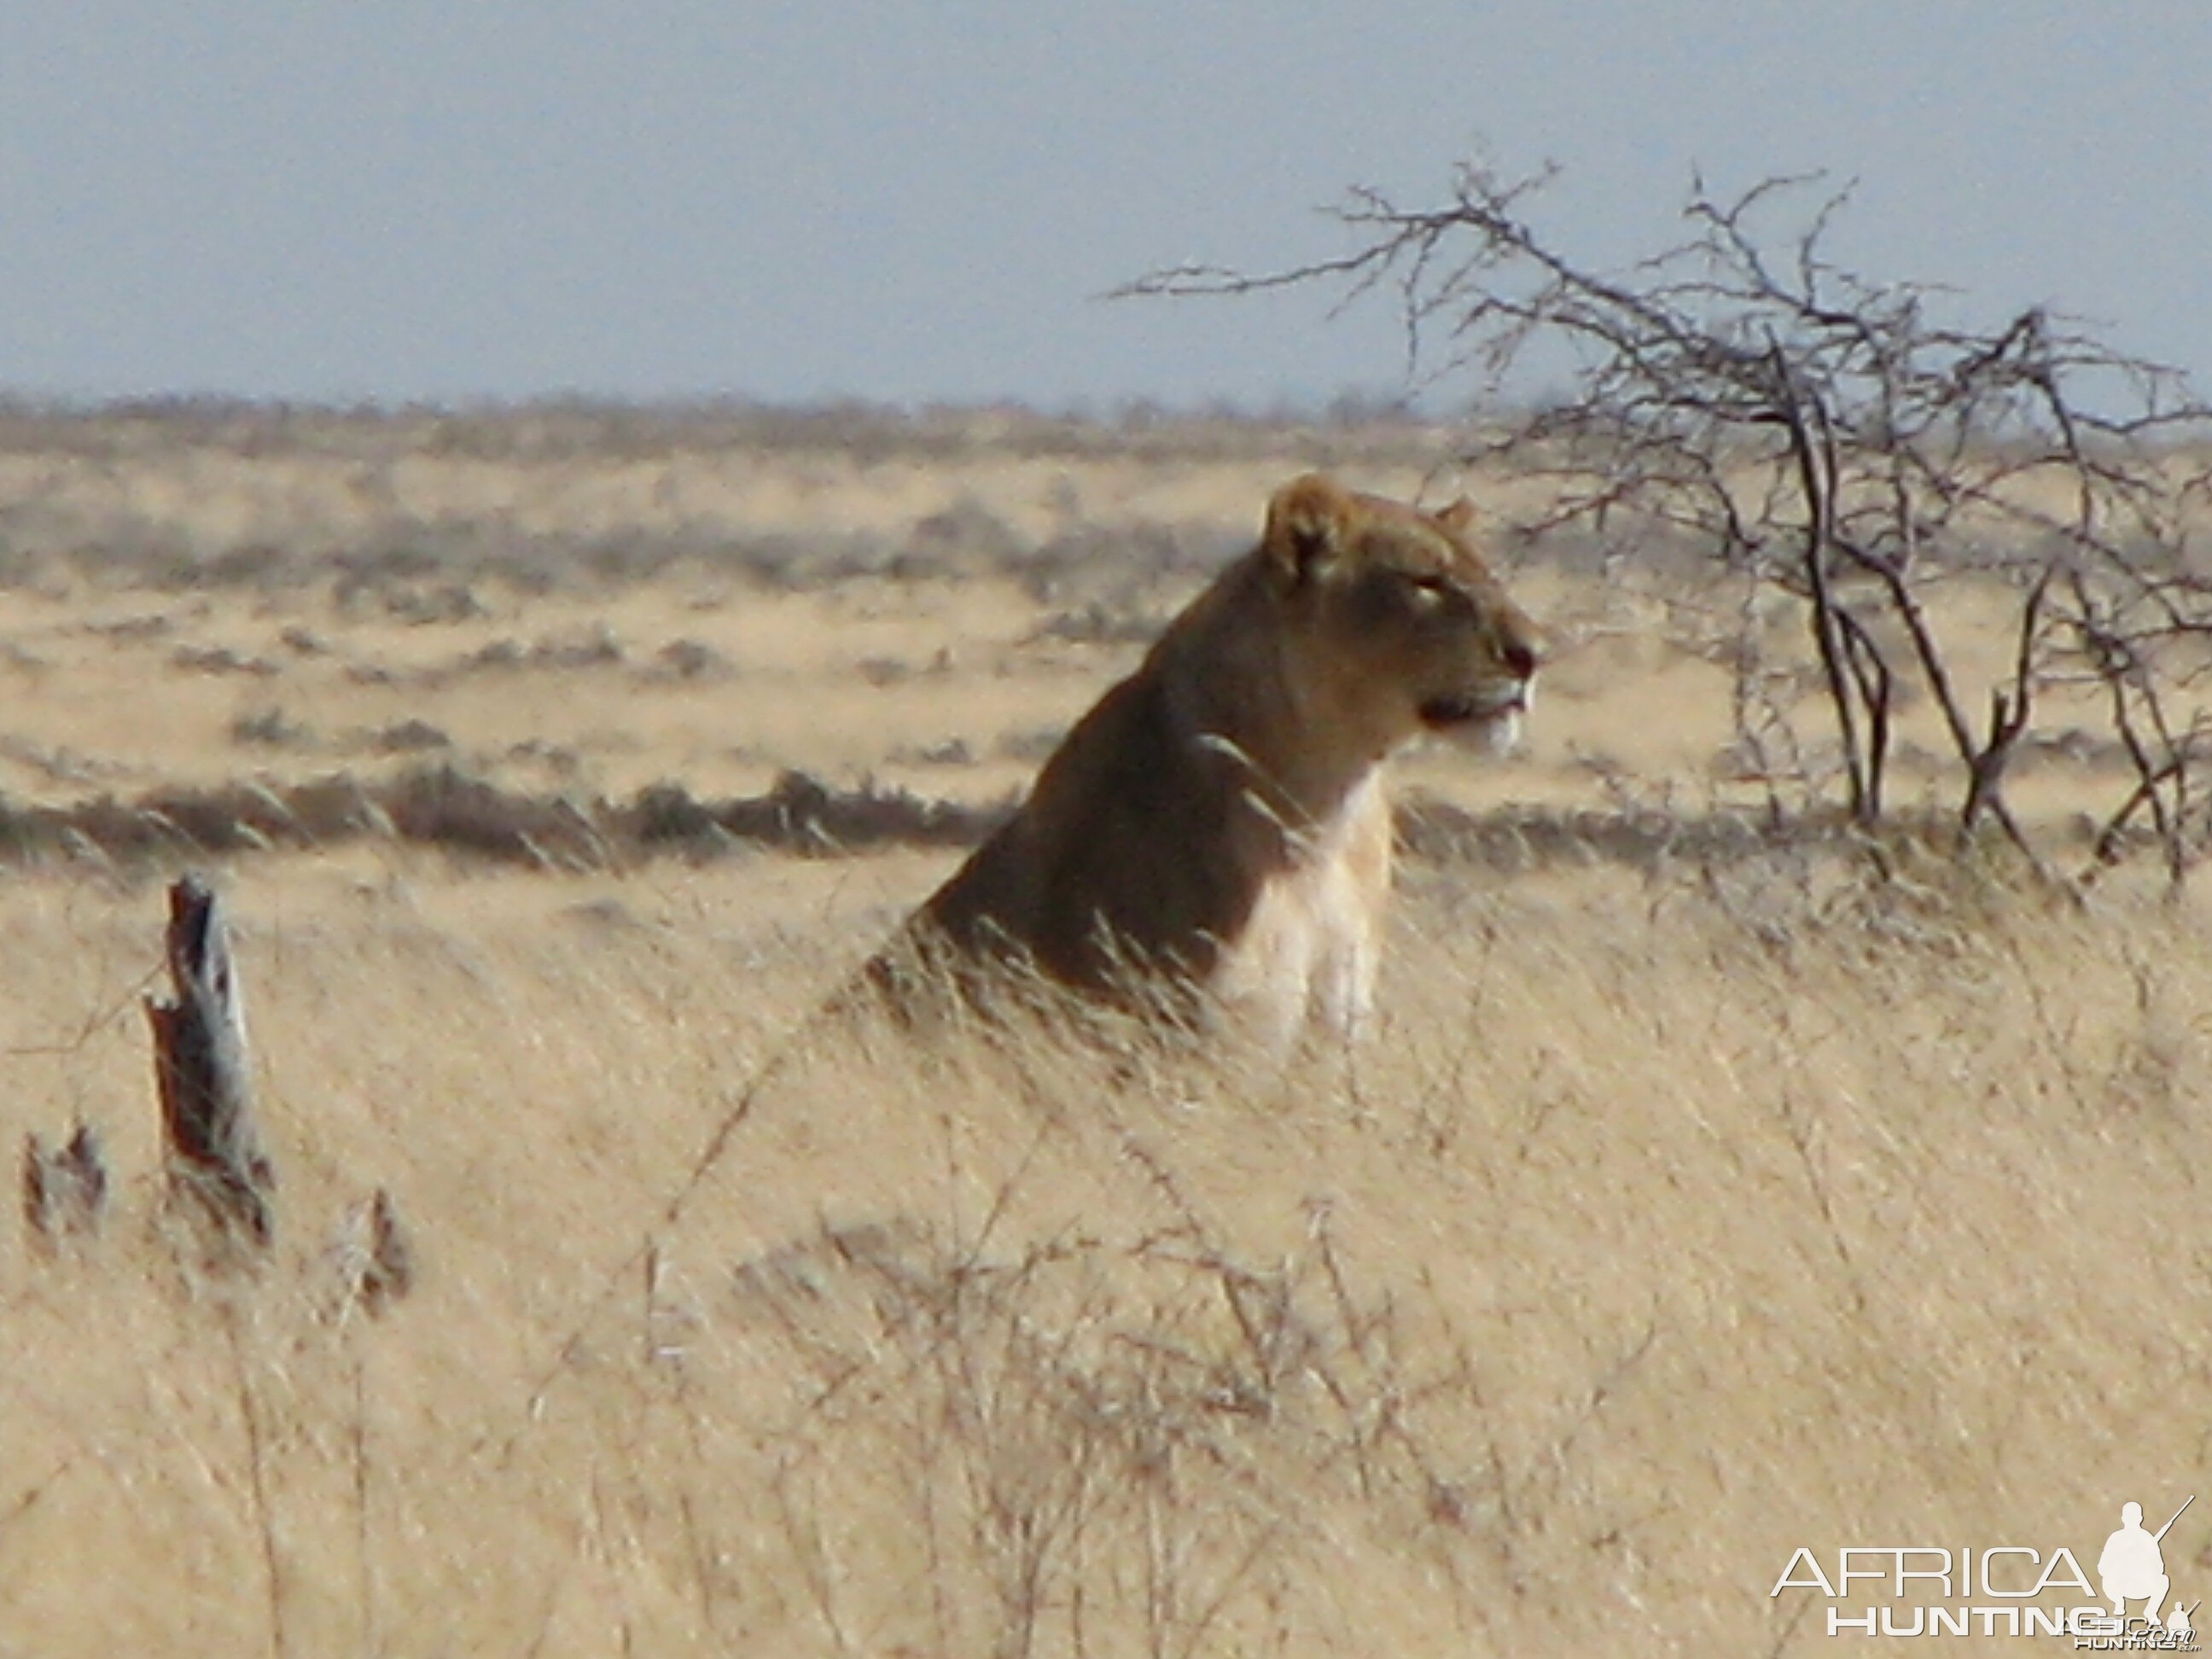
point(1398, 626)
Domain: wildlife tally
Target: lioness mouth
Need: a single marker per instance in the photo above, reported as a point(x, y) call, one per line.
point(1440, 712)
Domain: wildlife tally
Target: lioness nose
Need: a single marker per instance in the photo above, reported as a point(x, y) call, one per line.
point(1521, 655)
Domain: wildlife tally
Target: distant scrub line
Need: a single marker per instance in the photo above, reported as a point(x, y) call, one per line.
point(557, 430)
point(443, 808)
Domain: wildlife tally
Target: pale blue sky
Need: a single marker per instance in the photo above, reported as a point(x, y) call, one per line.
point(913, 199)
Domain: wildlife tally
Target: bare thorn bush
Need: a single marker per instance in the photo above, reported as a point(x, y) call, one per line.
point(1849, 445)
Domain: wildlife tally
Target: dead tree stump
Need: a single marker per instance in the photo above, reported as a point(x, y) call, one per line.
point(213, 1152)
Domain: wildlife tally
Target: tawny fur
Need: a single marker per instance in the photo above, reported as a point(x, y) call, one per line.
point(1218, 824)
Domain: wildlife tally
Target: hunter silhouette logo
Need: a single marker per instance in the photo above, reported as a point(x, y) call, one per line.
point(2007, 1590)
point(2133, 1568)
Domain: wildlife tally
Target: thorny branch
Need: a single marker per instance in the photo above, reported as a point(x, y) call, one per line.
point(1842, 443)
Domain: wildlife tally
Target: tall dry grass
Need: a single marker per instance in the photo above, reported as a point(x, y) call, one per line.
point(1701, 1197)
point(1674, 1219)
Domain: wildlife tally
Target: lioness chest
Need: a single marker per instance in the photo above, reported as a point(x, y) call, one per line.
point(1309, 946)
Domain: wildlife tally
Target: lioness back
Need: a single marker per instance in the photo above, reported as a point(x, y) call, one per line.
point(1216, 828)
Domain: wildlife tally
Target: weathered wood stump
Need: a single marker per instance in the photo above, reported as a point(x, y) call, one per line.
point(200, 1066)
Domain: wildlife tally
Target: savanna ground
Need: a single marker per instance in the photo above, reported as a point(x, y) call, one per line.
point(1702, 1196)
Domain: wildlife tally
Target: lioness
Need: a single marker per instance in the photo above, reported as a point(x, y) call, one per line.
point(1218, 824)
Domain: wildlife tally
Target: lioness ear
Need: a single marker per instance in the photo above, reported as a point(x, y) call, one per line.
point(1307, 526)
point(1458, 516)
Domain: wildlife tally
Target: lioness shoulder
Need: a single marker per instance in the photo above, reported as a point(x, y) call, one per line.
point(1216, 830)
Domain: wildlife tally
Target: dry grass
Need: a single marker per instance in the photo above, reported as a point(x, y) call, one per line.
point(1701, 1197)
point(1664, 1226)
